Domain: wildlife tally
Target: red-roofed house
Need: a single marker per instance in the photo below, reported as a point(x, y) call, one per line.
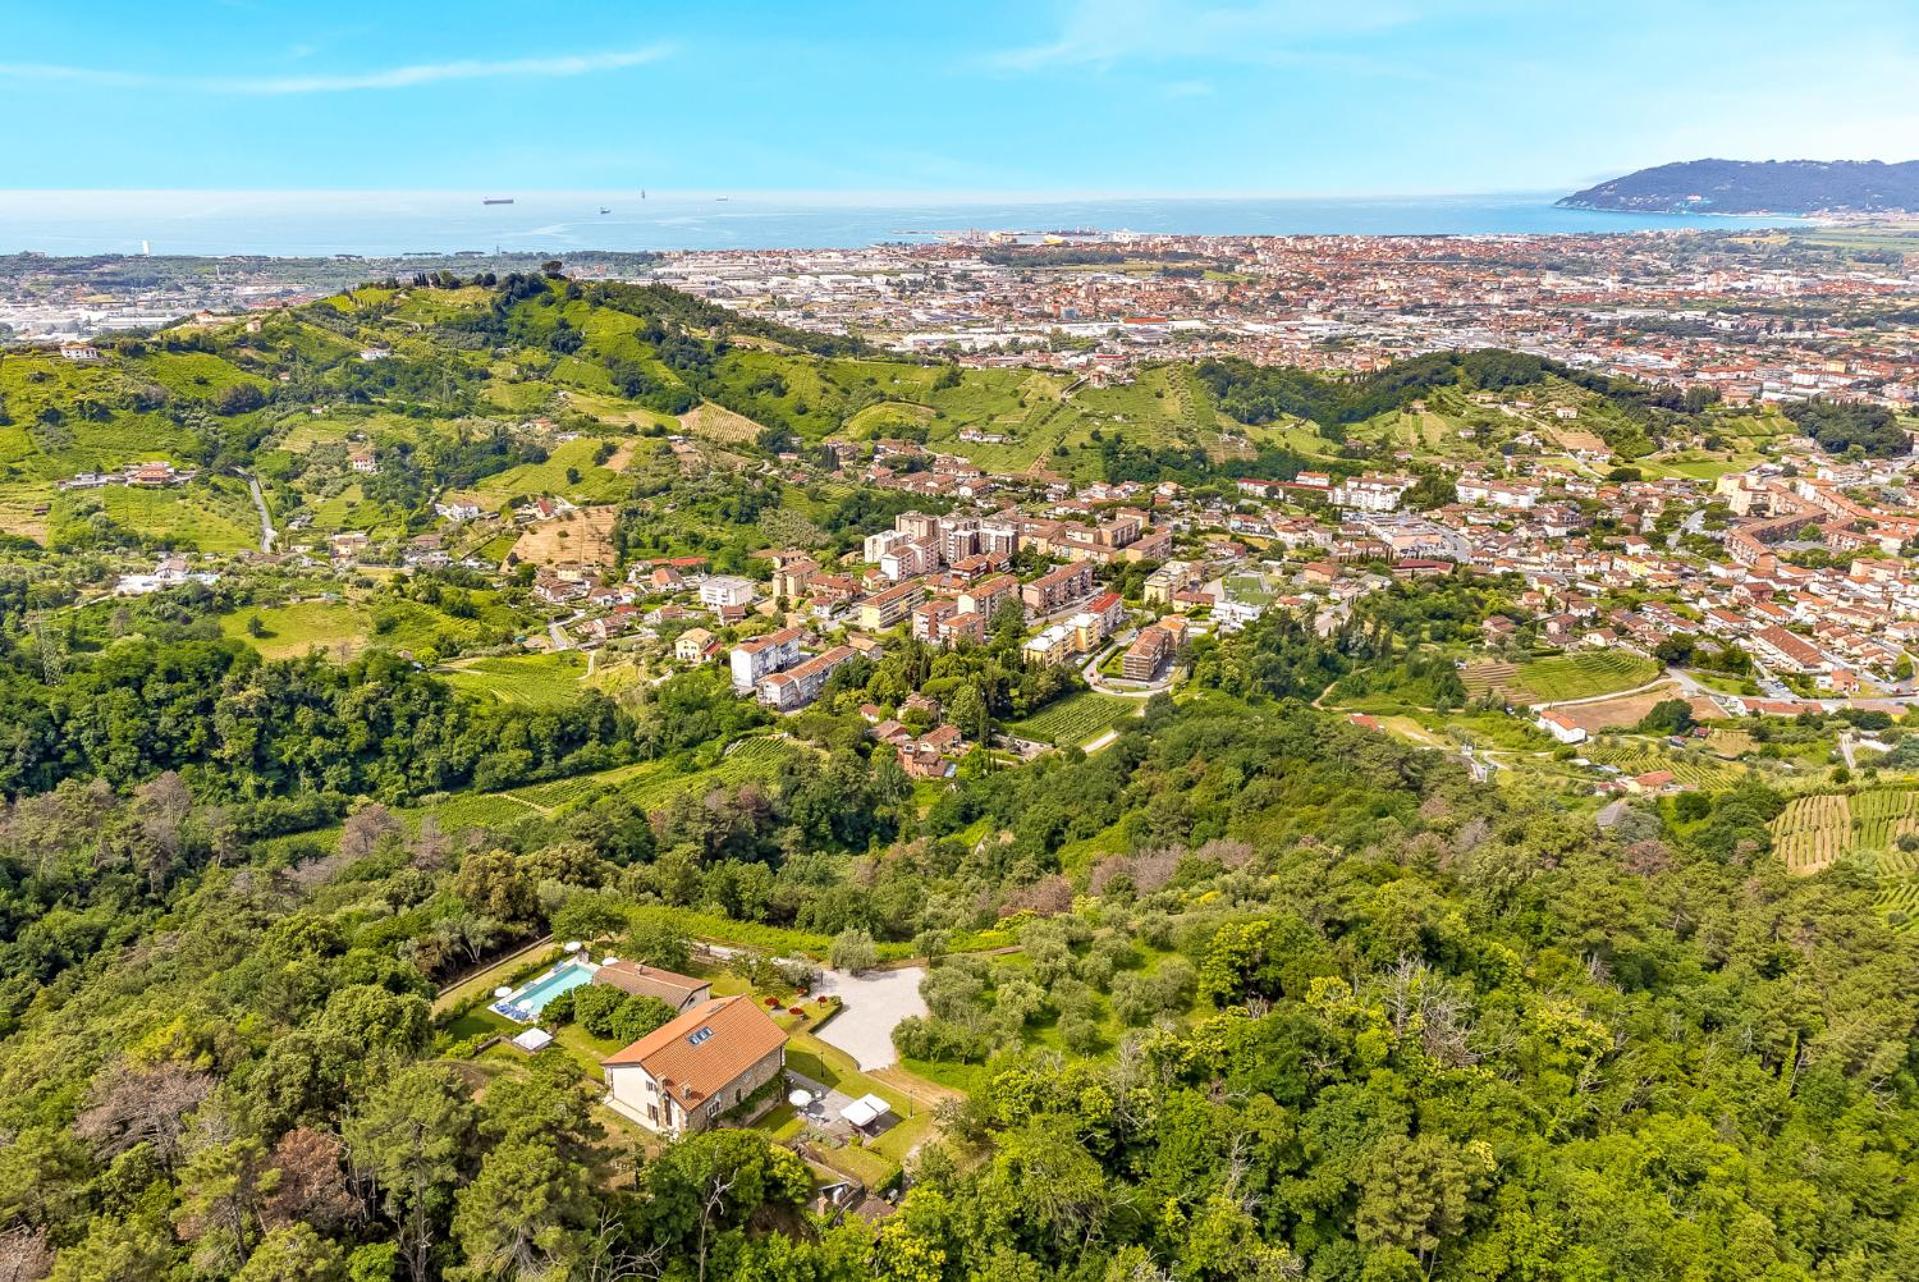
point(683, 1075)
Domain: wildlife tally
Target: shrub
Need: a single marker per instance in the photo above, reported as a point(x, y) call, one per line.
point(1079, 1033)
point(853, 950)
point(637, 1016)
point(925, 1037)
point(595, 1007)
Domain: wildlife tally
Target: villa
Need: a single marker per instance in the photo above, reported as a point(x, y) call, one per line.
point(681, 992)
point(683, 1075)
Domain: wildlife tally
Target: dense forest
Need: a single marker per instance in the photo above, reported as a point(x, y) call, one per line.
point(1378, 1022)
point(1840, 426)
point(1257, 394)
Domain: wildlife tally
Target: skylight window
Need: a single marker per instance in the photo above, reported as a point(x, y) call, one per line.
point(699, 1037)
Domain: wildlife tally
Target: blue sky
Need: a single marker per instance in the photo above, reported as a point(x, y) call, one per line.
point(1039, 97)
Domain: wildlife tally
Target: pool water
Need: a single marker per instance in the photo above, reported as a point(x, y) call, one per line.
point(526, 1004)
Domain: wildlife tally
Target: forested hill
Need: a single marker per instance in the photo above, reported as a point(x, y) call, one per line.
point(1755, 187)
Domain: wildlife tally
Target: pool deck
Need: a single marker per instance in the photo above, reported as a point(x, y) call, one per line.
point(513, 1007)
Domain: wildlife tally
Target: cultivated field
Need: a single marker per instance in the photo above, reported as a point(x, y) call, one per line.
point(1558, 677)
point(1811, 833)
point(535, 680)
point(1076, 719)
point(585, 536)
point(1582, 675)
point(1882, 816)
point(1689, 769)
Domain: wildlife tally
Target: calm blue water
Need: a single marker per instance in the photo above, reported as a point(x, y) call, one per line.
point(532, 999)
point(287, 223)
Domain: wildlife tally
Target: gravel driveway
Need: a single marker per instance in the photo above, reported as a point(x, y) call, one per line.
point(872, 1004)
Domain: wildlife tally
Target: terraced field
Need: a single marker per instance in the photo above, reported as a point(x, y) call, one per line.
point(1811, 833)
point(1076, 719)
point(1898, 903)
point(1882, 816)
point(1559, 677)
point(1481, 678)
point(1689, 769)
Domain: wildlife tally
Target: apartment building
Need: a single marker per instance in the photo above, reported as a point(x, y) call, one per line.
point(1058, 588)
point(798, 686)
point(987, 596)
point(753, 660)
point(1149, 649)
point(1370, 493)
point(884, 609)
point(722, 591)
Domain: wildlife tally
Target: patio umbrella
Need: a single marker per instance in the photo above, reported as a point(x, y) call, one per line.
point(503, 991)
point(800, 1099)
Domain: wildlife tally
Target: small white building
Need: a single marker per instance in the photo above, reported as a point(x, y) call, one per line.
point(1560, 726)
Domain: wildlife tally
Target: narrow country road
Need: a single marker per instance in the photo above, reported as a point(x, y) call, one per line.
point(268, 535)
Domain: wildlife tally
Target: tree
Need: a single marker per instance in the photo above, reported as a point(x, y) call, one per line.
point(853, 951)
point(373, 1020)
point(1668, 716)
point(637, 1016)
point(294, 1253)
point(366, 830)
point(221, 1199)
point(413, 1139)
point(967, 710)
point(712, 1183)
point(119, 1248)
point(524, 1215)
point(595, 1006)
point(494, 884)
point(307, 1185)
point(1416, 1191)
point(130, 1105)
point(657, 940)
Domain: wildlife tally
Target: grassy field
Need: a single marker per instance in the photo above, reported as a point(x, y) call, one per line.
point(348, 627)
point(1078, 718)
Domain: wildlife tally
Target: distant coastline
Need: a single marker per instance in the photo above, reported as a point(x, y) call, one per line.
point(328, 223)
point(1821, 189)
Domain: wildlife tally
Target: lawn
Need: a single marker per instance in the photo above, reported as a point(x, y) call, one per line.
point(1076, 719)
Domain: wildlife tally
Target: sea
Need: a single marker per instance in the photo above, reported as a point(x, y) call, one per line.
point(299, 224)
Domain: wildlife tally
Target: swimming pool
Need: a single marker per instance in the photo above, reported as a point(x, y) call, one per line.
point(525, 1005)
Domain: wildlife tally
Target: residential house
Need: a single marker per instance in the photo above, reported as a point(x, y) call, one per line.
point(683, 1075)
point(681, 992)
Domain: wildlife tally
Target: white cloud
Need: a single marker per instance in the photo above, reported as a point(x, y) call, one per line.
point(343, 82)
point(1101, 33)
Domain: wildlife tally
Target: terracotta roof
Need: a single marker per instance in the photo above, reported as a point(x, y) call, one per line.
point(696, 1055)
point(650, 981)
